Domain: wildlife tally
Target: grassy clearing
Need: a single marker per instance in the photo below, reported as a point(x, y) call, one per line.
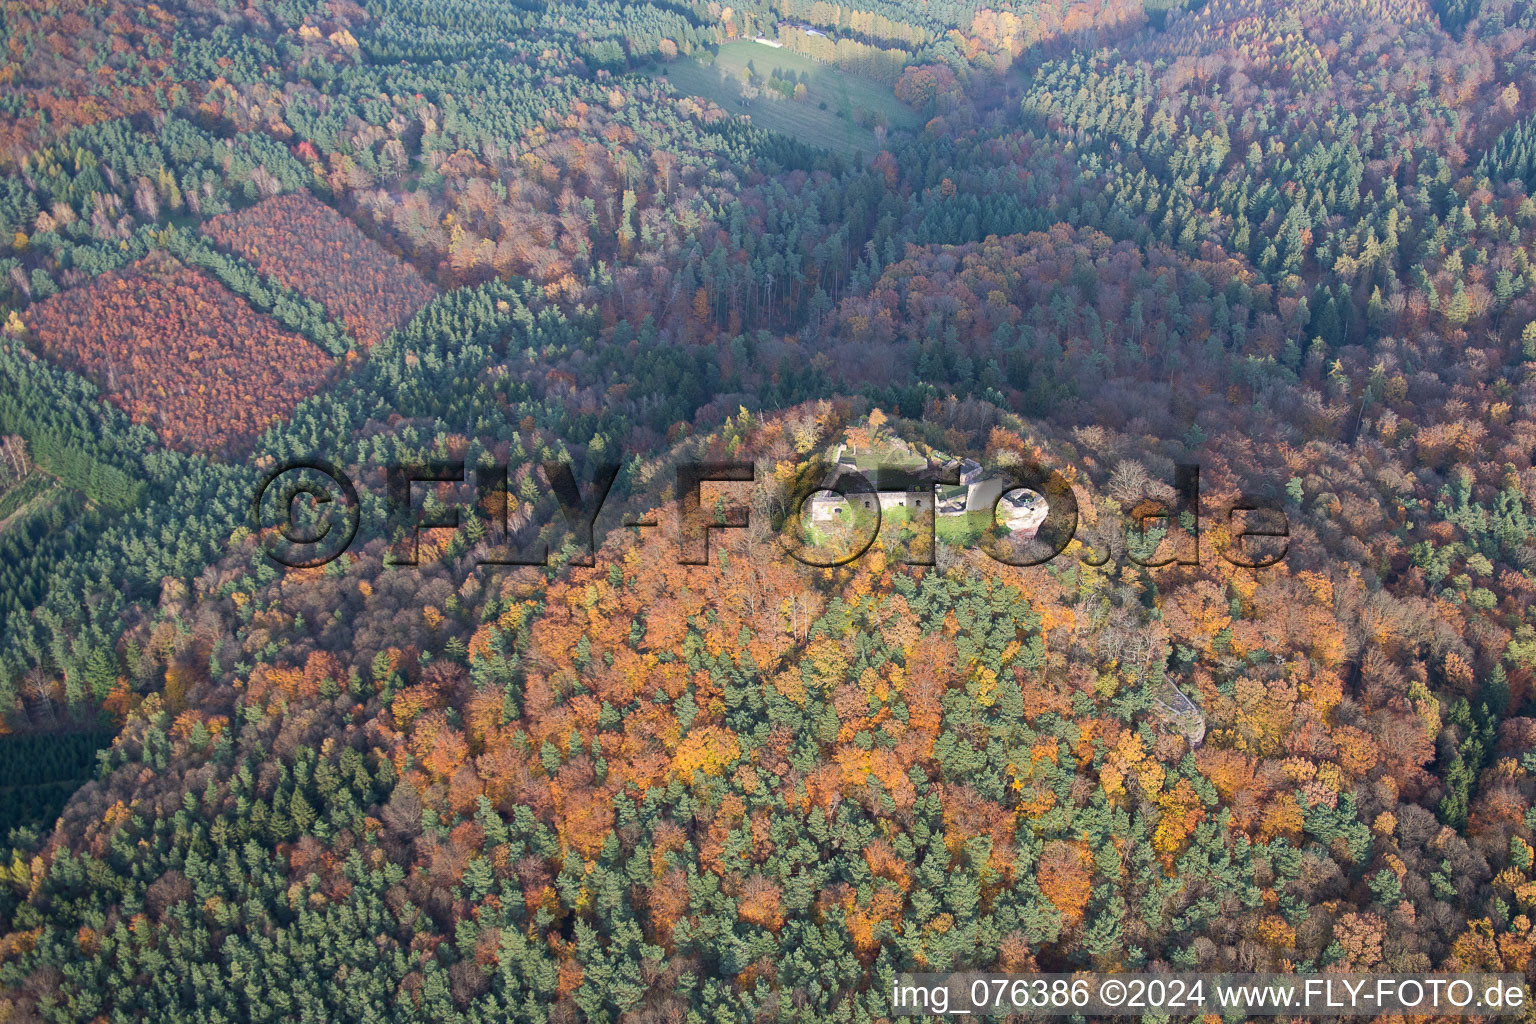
point(837, 110)
point(870, 462)
point(31, 495)
point(964, 530)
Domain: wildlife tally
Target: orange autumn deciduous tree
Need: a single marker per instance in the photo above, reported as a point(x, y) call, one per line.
point(669, 838)
point(1360, 936)
point(667, 899)
point(179, 680)
point(1357, 750)
point(217, 373)
point(482, 718)
point(1240, 781)
point(884, 863)
point(710, 751)
point(863, 920)
point(1196, 613)
point(760, 903)
point(411, 702)
point(320, 666)
point(585, 817)
point(1281, 818)
point(438, 746)
point(1065, 878)
point(1180, 811)
point(727, 818)
point(316, 251)
point(920, 84)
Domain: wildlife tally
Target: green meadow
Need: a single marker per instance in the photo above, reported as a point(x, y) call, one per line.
point(836, 109)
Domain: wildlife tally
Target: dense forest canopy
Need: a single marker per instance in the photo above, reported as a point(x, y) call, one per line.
point(1288, 243)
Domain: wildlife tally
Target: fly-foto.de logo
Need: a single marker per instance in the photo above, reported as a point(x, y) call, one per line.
point(309, 512)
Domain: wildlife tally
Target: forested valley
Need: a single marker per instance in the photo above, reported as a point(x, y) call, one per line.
point(1288, 242)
